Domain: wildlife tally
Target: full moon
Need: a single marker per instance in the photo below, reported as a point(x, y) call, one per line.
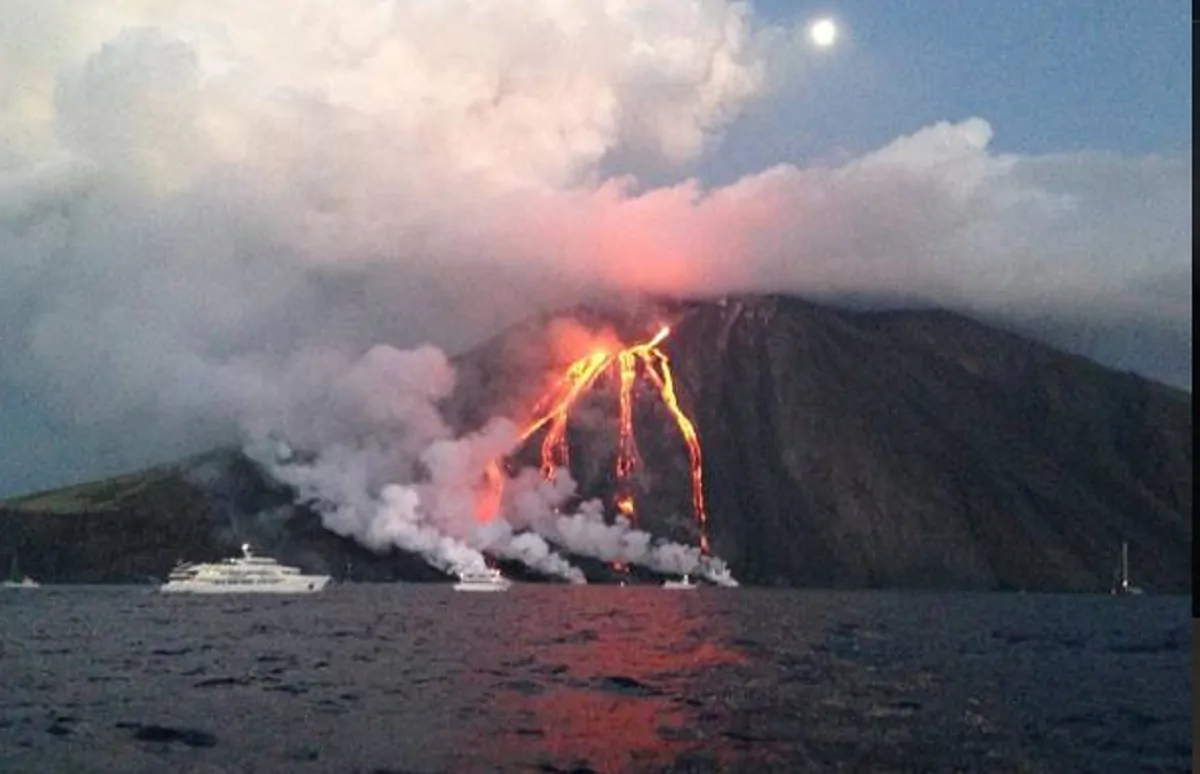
point(823, 32)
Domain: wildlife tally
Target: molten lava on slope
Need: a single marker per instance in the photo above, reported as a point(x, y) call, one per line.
point(552, 413)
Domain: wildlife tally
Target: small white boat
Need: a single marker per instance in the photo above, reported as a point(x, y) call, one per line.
point(680, 585)
point(486, 579)
point(247, 574)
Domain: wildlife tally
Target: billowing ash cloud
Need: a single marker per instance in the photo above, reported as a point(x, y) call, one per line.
point(206, 204)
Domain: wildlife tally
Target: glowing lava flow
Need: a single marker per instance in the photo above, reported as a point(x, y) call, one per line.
point(555, 407)
point(666, 388)
point(553, 412)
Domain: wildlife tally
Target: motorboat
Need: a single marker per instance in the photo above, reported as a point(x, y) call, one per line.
point(246, 574)
point(486, 579)
point(680, 585)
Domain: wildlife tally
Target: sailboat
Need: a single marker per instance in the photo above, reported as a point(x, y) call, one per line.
point(1121, 585)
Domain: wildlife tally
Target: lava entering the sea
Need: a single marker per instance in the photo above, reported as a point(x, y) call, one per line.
point(553, 412)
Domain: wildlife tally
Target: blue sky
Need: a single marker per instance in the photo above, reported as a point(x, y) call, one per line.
point(1050, 76)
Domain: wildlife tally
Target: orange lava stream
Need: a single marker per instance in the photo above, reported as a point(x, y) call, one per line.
point(666, 388)
point(556, 452)
point(553, 411)
point(627, 450)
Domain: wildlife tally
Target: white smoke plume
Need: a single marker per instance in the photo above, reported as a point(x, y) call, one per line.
point(535, 503)
point(530, 549)
point(207, 205)
point(370, 452)
point(451, 498)
point(347, 444)
point(335, 485)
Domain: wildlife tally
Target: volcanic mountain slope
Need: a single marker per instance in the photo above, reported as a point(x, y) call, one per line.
point(900, 449)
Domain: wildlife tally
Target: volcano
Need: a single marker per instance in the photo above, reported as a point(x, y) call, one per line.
point(909, 449)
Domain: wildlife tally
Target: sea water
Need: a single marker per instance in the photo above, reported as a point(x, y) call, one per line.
point(419, 678)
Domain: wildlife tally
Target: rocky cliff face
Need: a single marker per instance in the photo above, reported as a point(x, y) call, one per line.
point(906, 449)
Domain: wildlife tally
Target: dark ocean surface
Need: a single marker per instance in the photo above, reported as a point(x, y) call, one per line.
point(419, 678)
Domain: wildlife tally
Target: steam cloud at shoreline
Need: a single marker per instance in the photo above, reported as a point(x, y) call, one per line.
point(380, 466)
point(209, 209)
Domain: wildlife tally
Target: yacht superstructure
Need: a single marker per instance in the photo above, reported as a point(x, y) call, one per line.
point(241, 575)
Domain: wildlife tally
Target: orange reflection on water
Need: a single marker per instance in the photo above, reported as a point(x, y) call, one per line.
point(616, 689)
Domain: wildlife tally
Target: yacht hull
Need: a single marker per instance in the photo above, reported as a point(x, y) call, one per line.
point(297, 584)
point(481, 587)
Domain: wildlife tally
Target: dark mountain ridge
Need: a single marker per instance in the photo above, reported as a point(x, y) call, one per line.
point(841, 449)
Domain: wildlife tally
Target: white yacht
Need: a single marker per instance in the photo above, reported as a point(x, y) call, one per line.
point(680, 585)
point(245, 574)
point(486, 579)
